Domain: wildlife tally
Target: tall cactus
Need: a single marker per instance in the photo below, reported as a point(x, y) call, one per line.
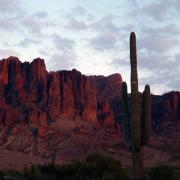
point(138, 127)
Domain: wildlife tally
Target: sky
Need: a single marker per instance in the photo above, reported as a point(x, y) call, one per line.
point(92, 36)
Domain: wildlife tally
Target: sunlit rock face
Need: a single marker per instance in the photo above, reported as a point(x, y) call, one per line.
point(30, 94)
point(41, 110)
point(36, 104)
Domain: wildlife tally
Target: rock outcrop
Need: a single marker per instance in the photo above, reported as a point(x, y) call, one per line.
point(166, 111)
point(44, 112)
point(108, 98)
point(31, 95)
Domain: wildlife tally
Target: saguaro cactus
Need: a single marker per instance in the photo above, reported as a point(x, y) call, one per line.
point(137, 127)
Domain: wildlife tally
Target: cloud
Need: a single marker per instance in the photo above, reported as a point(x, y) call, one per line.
point(157, 43)
point(27, 42)
point(160, 70)
point(4, 53)
point(77, 25)
point(44, 52)
point(9, 6)
point(104, 41)
point(8, 24)
point(62, 60)
point(41, 15)
point(156, 10)
point(32, 25)
point(166, 30)
point(105, 24)
point(108, 34)
point(153, 61)
point(63, 43)
point(133, 2)
point(64, 56)
point(79, 10)
point(37, 22)
point(119, 62)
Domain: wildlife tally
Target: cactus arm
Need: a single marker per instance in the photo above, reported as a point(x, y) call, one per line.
point(146, 115)
point(126, 116)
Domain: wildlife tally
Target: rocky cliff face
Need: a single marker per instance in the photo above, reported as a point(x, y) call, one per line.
point(29, 94)
point(108, 103)
point(166, 111)
point(42, 111)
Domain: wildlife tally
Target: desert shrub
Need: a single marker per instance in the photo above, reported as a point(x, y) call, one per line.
point(97, 166)
point(164, 172)
point(105, 167)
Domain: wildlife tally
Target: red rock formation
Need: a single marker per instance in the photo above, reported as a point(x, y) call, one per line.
point(31, 95)
point(166, 111)
point(39, 109)
point(108, 98)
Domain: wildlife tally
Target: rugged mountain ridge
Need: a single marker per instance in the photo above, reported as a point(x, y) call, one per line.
point(39, 97)
point(166, 111)
point(42, 112)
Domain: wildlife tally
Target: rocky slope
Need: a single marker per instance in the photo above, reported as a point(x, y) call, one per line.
point(65, 114)
point(166, 111)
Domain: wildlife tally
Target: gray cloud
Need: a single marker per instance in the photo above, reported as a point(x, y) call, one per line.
point(105, 24)
point(41, 15)
point(32, 25)
point(119, 62)
point(79, 10)
point(133, 2)
point(163, 70)
point(8, 24)
point(9, 6)
point(153, 61)
point(37, 22)
point(104, 41)
point(165, 30)
point(63, 43)
point(62, 60)
point(64, 57)
point(108, 34)
point(27, 42)
point(77, 25)
point(156, 10)
point(157, 43)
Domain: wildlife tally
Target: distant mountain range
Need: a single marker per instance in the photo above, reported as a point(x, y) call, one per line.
point(69, 113)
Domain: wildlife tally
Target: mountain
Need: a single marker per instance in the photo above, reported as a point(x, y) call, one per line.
point(65, 114)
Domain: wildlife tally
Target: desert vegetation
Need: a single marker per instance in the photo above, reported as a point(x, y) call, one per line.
point(137, 119)
point(96, 166)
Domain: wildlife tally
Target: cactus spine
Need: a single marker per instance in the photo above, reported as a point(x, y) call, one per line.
point(138, 127)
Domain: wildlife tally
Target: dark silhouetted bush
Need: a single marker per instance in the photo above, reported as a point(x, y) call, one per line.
point(163, 172)
point(96, 167)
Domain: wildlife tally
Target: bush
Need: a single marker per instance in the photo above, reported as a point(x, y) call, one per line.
point(96, 166)
point(163, 172)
